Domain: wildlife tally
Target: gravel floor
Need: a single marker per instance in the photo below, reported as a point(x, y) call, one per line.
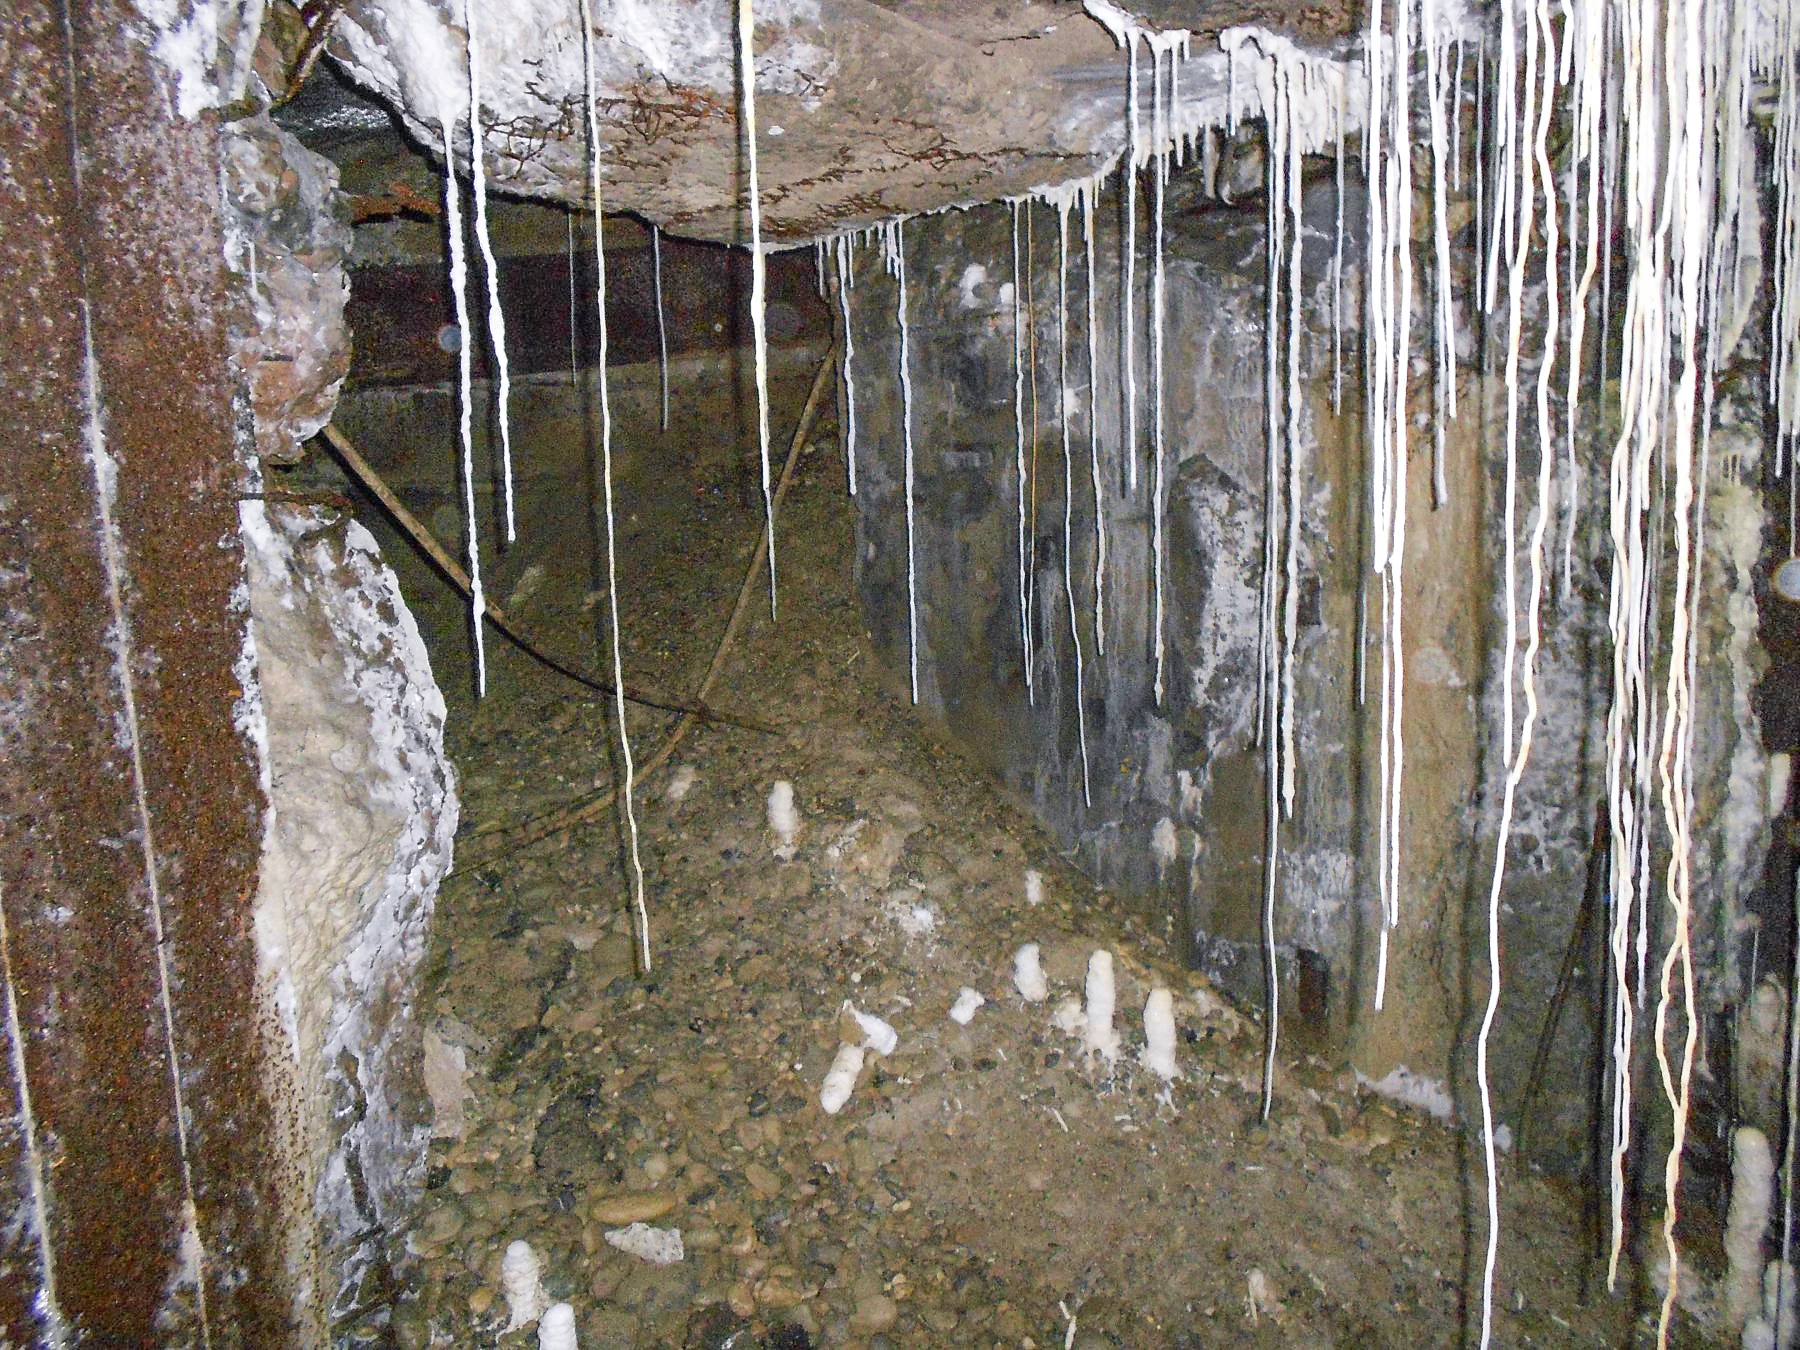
point(986, 1184)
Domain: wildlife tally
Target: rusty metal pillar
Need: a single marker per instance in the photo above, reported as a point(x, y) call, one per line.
point(132, 1125)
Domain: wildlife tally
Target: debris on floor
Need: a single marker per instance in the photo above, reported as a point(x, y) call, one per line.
point(797, 1130)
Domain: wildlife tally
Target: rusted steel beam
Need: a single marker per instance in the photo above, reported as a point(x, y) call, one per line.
point(130, 812)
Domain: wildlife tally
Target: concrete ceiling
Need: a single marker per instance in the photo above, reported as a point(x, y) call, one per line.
point(866, 110)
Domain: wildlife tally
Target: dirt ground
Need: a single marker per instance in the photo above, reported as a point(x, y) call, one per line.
point(984, 1185)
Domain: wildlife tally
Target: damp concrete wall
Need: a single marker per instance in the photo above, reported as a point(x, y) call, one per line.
point(1172, 809)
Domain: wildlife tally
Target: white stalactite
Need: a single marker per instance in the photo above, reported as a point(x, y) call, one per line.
point(1062, 394)
point(893, 244)
point(1337, 254)
point(1019, 359)
point(1088, 193)
point(1128, 248)
point(840, 1079)
point(1536, 174)
point(1784, 384)
point(843, 247)
point(1028, 974)
point(1291, 168)
point(459, 291)
point(1444, 335)
point(759, 279)
point(1159, 123)
point(496, 315)
point(628, 785)
point(662, 323)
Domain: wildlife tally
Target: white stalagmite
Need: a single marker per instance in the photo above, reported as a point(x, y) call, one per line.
point(784, 819)
point(662, 323)
point(32, 1221)
point(628, 787)
point(759, 281)
point(556, 1328)
point(1028, 974)
point(1159, 1035)
point(496, 315)
point(1062, 394)
point(893, 243)
point(459, 291)
point(521, 1280)
point(1752, 1189)
point(840, 1079)
point(877, 1034)
point(1781, 1305)
point(1099, 1036)
point(842, 252)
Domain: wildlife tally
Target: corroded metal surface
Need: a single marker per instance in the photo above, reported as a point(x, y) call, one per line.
point(397, 311)
point(130, 815)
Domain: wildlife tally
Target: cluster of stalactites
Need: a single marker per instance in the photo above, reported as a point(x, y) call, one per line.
point(1655, 101)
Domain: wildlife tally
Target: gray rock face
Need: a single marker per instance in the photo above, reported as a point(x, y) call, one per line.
point(362, 811)
point(1174, 811)
point(1173, 789)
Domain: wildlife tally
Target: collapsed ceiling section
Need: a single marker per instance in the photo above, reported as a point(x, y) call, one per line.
point(866, 111)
